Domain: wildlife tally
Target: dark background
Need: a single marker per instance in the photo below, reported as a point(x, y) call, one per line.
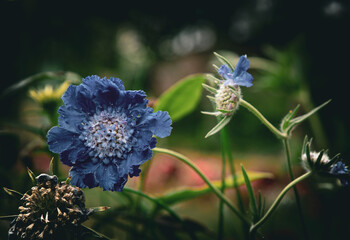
point(79, 36)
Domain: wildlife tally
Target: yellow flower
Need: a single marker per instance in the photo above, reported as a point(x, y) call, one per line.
point(48, 93)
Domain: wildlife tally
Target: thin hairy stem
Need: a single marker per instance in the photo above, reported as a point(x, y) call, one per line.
point(292, 184)
point(296, 193)
point(261, 117)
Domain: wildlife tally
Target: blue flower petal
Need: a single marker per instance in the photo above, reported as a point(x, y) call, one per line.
point(79, 98)
point(105, 132)
point(226, 72)
point(242, 66)
point(70, 119)
point(76, 153)
point(60, 139)
point(118, 83)
point(83, 175)
point(136, 98)
point(158, 122)
point(244, 79)
point(107, 176)
point(239, 77)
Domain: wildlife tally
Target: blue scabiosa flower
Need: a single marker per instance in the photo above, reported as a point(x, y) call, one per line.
point(227, 95)
point(105, 132)
point(320, 163)
point(341, 171)
point(239, 76)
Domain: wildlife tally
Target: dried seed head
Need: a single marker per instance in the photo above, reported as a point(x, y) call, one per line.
point(49, 209)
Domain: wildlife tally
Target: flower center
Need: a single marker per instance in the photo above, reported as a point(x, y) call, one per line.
point(226, 99)
point(107, 134)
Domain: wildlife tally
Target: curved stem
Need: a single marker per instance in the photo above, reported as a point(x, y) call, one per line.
point(263, 119)
point(205, 179)
point(277, 201)
point(97, 233)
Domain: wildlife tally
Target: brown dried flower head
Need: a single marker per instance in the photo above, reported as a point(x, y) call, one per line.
point(49, 209)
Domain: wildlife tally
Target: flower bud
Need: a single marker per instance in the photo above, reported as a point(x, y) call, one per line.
point(227, 99)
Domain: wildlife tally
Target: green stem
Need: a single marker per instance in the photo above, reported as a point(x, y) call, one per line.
point(165, 207)
point(223, 185)
point(232, 169)
point(263, 119)
point(159, 203)
point(292, 184)
point(97, 233)
point(296, 193)
point(205, 179)
point(144, 172)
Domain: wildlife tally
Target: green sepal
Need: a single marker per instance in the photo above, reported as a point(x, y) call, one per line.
point(13, 193)
point(51, 166)
point(308, 157)
point(224, 111)
point(211, 98)
point(318, 160)
point(252, 200)
point(235, 91)
point(224, 61)
point(216, 67)
point(212, 113)
point(31, 175)
point(209, 88)
point(212, 79)
point(100, 208)
point(225, 120)
point(332, 161)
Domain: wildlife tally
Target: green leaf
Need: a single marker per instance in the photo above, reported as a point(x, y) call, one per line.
point(253, 206)
point(210, 89)
point(182, 98)
point(288, 123)
point(188, 193)
point(288, 117)
point(219, 126)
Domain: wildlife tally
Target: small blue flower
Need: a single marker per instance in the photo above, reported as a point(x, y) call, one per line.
point(341, 171)
point(239, 77)
point(105, 132)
